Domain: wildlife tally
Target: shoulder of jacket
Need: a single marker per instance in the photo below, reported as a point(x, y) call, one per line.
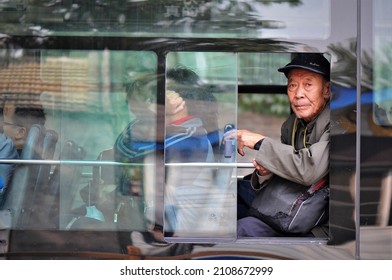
point(289, 122)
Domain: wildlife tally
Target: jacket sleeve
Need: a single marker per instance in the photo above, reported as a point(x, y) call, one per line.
point(258, 182)
point(306, 166)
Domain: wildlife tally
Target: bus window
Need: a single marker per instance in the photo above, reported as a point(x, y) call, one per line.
point(189, 204)
point(376, 131)
point(91, 99)
point(382, 101)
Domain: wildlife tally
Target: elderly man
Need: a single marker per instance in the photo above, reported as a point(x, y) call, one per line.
point(302, 155)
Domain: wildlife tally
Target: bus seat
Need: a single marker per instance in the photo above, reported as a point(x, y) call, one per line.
point(48, 149)
point(98, 209)
point(21, 189)
point(105, 207)
point(102, 182)
point(103, 176)
point(106, 173)
point(63, 183)
point(42, 196)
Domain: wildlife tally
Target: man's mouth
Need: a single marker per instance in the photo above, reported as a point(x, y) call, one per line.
point(301, 106)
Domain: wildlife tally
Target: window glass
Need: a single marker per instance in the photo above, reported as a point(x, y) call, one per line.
point(382, 106)
point(200, 184)
point(101, 106)
point(261, 68)
point(297, 19)
point(87, 91)
point(262, 113)
point(261, 110)
point(376, 101)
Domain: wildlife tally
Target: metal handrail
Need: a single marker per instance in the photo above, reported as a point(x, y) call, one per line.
point(101, 163)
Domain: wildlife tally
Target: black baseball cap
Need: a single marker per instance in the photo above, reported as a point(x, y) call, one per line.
point(314, 62)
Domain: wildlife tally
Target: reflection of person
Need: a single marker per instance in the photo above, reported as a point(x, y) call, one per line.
point(302, 155)
point(18, 119)
point(201, 103)
point(187, 140)
point(135, 143)
point(7, 151)
point(185, 133)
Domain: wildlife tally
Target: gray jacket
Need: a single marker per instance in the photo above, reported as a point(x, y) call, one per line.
point(306, 160)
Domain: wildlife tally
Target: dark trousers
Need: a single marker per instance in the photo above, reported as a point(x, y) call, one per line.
point(245, 196)
point(254, 227)
point(248, 226)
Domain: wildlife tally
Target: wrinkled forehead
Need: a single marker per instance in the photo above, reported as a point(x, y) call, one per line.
point(303, 73)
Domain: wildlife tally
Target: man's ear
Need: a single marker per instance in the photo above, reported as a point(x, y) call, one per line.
point(327, 91)
point(21, 133)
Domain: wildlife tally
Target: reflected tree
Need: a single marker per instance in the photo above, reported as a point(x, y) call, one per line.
point(344, 68)
point(42, 16)
point(376, 85)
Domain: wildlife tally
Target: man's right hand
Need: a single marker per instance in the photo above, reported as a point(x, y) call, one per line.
point(174, 103)
point(260, 169)
point(248, 139)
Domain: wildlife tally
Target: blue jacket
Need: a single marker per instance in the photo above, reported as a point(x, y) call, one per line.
point(185, 141)
point(7, 151)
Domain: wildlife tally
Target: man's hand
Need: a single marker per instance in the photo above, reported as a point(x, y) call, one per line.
point(248, 139)
point(260, 169)
point(174, 102)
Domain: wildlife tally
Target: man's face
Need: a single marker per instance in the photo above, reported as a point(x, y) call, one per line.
point(308, 92)
point(143, 100)
point(11, 129)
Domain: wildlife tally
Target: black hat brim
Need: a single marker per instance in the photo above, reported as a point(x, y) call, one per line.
point(287, 68)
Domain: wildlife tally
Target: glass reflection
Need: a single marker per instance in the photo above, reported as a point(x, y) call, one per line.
point(199, 192)
point(196, 18)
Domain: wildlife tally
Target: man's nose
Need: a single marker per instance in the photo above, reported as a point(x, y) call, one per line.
point(299, 92)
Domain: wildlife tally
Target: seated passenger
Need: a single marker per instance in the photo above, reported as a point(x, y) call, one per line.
point(19, 117)
point(302, 155)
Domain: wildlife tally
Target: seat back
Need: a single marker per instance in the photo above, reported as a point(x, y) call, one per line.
point(106, 207)
point(102, 182)
point(107, 173)
point(18, 199)
point(63, 183)
point(42, 198)
point(48, 149)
